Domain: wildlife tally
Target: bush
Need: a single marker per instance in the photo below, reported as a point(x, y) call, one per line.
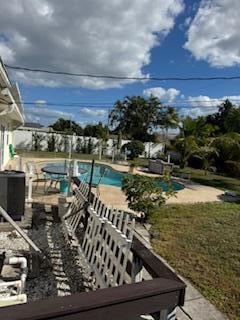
point(143, 194)
point(134, 149)
point(232, 168)
point(51, 143)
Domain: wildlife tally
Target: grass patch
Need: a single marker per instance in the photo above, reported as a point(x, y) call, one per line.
point(48, 154)
point(211, 179)
point(143, 162)
point(201, 241)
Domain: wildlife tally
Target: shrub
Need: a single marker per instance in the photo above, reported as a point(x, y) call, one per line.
point(143, 194)
point(134, 149)
point(37, 139)
point(51, 143)
point(232, 168)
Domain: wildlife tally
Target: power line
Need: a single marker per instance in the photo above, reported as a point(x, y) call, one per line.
point(183, 103)
point(115, 77)
point(211, 102)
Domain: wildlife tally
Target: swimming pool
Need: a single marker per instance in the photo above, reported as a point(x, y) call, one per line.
point(104, 174)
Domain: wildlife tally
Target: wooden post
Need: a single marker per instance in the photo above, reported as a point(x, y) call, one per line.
point(136, 269)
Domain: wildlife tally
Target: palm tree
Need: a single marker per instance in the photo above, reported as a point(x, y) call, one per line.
point(186, 147)
point(206, 154)
point(193, 140)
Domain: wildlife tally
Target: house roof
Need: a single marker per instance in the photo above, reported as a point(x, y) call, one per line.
point(33, 125)
point(4, 79)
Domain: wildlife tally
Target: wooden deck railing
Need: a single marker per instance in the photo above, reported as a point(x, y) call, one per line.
point(160, 295)
point(157, 291)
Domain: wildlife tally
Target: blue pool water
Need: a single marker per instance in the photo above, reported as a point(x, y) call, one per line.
point(104, 174)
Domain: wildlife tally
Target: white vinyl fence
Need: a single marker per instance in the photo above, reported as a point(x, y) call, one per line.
point(26, 139)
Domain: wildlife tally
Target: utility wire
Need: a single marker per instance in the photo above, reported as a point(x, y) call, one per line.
point(179, 103)
point(115, 77)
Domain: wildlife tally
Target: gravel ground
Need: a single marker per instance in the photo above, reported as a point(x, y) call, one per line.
point(61, 272)
point(11, 242)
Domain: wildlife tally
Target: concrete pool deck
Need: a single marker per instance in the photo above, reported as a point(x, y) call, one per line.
point(113, 196)
point(192, 193)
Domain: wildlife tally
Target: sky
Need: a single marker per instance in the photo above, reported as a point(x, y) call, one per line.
point(147, 38)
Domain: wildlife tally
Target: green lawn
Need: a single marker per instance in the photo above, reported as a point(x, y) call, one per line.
point(201, 241)
point(214, 180)
point(47, 154)
point(82, 156)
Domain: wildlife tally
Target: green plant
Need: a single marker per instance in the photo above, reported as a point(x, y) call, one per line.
point(143, 194)
point(133, 164)
point(51, 143)
point(134, 149)
point(65, 140)
point(37, 139)
point(78, 145)
point(90, 146)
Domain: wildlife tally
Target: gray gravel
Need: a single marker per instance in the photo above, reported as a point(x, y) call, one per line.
point(61, 273)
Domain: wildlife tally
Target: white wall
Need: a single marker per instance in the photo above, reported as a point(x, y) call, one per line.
point(6, 136)
point(23, 139)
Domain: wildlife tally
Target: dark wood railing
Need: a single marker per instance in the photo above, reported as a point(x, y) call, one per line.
point(164, 292)
point(160, 295)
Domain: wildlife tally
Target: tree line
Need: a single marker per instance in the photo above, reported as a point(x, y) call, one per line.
point(210, 142)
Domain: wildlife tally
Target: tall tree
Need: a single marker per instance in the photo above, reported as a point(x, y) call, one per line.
point(135, 117)
point(67, 126)
point(192, 138)
point(167, 118)
point(227, 119)
point(97, 130)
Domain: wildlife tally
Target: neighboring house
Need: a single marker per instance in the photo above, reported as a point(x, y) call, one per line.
point(32, 126)
point(11, 113)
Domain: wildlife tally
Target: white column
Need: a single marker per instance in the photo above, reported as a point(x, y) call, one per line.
point(30, 182)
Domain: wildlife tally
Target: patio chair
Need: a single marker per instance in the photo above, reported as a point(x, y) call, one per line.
point(53, 178)
point(40, 176)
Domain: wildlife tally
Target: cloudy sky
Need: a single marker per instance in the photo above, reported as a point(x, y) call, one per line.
point(157, 38)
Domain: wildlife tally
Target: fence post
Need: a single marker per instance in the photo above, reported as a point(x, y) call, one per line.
point(30, 182)
point(137, 268)
point(90, 181)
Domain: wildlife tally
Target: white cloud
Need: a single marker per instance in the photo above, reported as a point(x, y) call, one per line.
point(46, 113)
point(193, 112)
point(204, 105)
point(206, 101)
point(203, 101)
point(214, 34)
point(40, 103)
point(94, 37)
point(163, 94)
point(6, 51)
point(93, 112)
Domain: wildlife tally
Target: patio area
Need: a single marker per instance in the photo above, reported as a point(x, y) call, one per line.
point(113, 196)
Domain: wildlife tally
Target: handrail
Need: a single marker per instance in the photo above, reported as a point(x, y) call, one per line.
point(161, 294)
point(154, 265)
point(112, 303)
